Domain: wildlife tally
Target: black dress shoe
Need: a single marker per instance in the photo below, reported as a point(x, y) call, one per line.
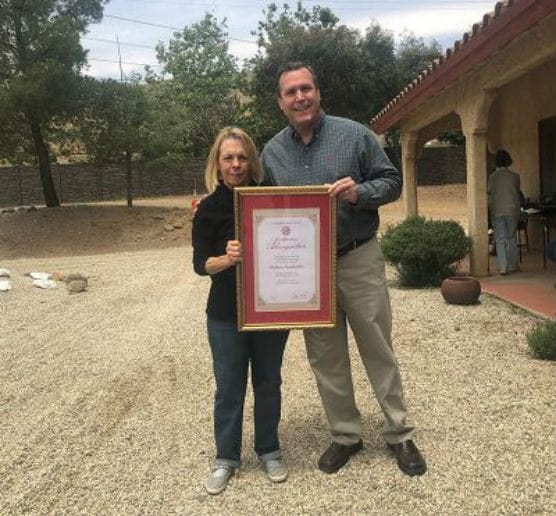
point(337, 455)
point(410, 460)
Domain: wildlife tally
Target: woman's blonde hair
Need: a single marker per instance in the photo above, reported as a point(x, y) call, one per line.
point(211, 170)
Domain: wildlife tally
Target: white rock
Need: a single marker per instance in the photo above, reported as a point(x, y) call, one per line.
point(4, 273)
point(44, 283)
point(5, 285)
point(40, 275)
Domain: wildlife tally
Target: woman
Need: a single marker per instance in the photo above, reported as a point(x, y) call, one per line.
point(504, 210)
point(232, 162)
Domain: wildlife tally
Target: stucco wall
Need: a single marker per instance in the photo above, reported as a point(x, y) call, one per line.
point(441, 166)
point(514, 119)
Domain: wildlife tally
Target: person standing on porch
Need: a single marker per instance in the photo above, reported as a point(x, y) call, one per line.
point(504, 209)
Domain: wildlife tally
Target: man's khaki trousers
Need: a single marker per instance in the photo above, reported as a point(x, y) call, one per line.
point(363, 299)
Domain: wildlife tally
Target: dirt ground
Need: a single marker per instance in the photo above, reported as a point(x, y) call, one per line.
point(111, 227)
point(82, 229)
point(106, 395)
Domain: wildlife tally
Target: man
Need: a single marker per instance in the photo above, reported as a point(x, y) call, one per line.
point(320, 149)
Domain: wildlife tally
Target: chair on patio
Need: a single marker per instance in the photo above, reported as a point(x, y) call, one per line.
point(522, 235)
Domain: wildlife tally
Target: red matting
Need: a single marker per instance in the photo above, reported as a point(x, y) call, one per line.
point(323, 317)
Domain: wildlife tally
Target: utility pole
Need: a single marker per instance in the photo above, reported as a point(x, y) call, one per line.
point(120, 59)
point(128, 174)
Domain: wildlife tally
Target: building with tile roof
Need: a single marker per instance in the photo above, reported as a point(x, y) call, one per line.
point(498, 86)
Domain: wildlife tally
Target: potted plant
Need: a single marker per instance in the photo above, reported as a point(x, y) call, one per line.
point(461, 290)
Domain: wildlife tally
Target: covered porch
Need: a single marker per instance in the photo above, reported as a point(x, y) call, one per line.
point(532, 289)
point(496, 86)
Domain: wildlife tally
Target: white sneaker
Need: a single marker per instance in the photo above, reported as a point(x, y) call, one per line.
point(276, 470)
point(218, 479)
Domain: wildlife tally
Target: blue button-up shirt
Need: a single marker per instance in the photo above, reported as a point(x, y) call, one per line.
point(339, 148)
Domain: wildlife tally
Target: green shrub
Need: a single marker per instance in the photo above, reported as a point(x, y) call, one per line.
point(425, 252)
point(542, 341)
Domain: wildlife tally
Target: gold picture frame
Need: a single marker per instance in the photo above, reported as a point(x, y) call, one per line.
point(287, 278)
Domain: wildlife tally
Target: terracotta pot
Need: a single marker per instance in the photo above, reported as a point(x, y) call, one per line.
point(461, 290)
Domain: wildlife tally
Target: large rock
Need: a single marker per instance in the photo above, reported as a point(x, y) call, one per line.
point(76, 286)
point(75, 276)
point(76, 282)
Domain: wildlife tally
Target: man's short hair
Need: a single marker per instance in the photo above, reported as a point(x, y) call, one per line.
point(503, 158)
point(292, 66)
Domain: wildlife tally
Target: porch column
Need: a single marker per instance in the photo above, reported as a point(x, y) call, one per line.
point(409, 189)
point(477, 206)
point(473, 111)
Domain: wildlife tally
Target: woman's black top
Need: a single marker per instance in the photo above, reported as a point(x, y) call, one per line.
point(213, 226)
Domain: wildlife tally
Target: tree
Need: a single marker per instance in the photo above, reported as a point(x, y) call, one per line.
point(357, 73)
point(40, 59)
point(113, 124)
point(313, 37)
point(452, 137)
point(203, 88)
point(413, 55)
point(167, 124)
point(378, 54)
point(14, 145)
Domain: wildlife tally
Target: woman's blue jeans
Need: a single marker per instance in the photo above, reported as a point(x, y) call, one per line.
point(232, 353)
point(507, 253)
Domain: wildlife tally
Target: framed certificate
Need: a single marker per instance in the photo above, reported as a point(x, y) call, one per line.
point(287, 278)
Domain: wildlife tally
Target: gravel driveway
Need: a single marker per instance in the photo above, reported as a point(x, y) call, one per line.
point(105, 404)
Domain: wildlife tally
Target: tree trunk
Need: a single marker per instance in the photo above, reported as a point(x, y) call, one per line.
point(50, 196)
point(128, 177)
point(49, 191)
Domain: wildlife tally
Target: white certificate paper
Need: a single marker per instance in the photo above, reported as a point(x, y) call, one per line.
point(287, 266)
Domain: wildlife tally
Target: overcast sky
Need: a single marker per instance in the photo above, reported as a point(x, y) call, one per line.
point(133, 23)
